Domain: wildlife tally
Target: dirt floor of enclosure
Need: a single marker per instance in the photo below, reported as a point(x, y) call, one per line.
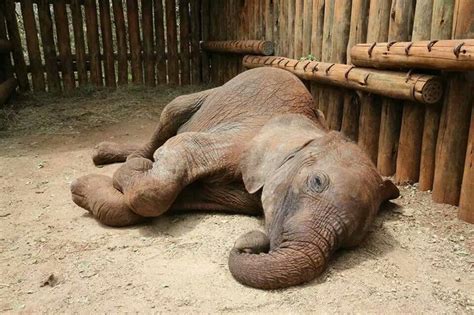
point(55, 258)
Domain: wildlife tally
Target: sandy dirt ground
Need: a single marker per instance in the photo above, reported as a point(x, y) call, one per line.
point(55, 258)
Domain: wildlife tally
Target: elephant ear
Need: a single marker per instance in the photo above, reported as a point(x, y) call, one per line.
point(278, 140)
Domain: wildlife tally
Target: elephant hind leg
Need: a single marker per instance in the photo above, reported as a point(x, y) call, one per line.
point(96, 194)
point(111, 152)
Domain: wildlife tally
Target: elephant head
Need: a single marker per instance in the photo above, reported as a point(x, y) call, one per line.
point(319, 192)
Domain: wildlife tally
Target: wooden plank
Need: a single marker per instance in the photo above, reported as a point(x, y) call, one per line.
point(307, 20)
point(441, 27)
point(121, 37)
point(148, 45)
point(17, 52)
point(107, 44)
point(64, 45)
point(317, 25)
point(160, 42)
point(370, 107)
point(409, 148)
point(401, 18)
point(205, 20)
point(269, 16)
point(298, 37)
point(455, 118)
point(32, 43)
point(357, 34)
point(79, 43)
point(326, 45)
point(184, 30)
point(340, 37)
point(93, 42)
point(135, 42)
point(282, 45)
point(291, 28)
point(195, 38)
point(172, 45)
point(466, 202)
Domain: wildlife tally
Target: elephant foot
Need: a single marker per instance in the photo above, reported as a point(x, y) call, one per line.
point(254, 242)
point(96, 194)
point(111, 152)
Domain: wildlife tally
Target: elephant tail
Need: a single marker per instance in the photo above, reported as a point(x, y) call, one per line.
point(295, 261)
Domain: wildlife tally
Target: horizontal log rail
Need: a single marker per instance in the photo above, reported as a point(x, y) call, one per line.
point(450, 55)
point(422, 88)
point(256, 47)
point(5, 46)
point(6, 89)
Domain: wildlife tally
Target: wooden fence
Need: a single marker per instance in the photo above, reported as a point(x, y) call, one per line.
point(64, 44)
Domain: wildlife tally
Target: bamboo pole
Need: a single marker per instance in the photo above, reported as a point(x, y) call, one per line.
point(370, 107)
point(455, 118)
point(401, 18)
point(121, 38)
point(135, 42)
point(441, 27)
point(466, 202)
point(317, 25)
point(17, 52)
point(32, 43)
point(409, 147)
point(357, 34)
point(64, 45)
point(257, 47)
point(93, 42)
point(205, 20)
point(171, 37)
point(107, 44)
point(79, 43)
point(49, 47)
point(449, 55)
point(195, 36)
point(148, 42)
point(6, 90)
point(184, 41)
point(415, 87)
point(340, 37)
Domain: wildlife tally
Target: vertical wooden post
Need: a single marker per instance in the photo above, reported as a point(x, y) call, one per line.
point(466, 202)
point(78, 27)
point(370, 109)
point(455, 118)
point(205, 36)
point(107, 44)
point(160, 42)
point(340, 37)
point(326, 52)
point(291, 28)
point(17, 52)
point(148, 46)
point(269, 15)
point(409, 148)
point(93, 42)
point(184, 55)
point(298, 20)
point(32, 43)
point(64, 45)
point(282, 47)
point(171, 38)
point(357, 34)
point(49, 48)
point(441, 28)
point(401, 17)
point(307, 20)
point(317, 25)
point(135, 42)
point(195, 36)
point(5, 62)
point(121, 37)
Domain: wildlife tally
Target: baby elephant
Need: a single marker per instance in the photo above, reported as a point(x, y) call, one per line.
point(254, 145)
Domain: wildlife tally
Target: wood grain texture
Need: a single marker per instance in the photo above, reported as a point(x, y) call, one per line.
point(148, 42)
point(466, 202)
point(172, 43)
point(135, 41)
point(79, 43)
point(121, 38)
point(107, 44)
point(93, 42)
point(184, 41)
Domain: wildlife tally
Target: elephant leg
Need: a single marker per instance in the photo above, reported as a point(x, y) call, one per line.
point(181, 161)
point(229, 198)
point(174, 115)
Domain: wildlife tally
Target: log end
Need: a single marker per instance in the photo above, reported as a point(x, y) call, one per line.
point(432, 91)
point(267, 48)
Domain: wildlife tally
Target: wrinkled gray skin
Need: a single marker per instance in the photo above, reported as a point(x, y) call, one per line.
point(250, 146)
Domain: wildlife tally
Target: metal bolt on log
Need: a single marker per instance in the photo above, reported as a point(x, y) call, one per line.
point(421, 88)
point(258, 47)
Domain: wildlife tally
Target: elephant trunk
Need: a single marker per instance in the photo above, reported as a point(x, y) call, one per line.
point(299, 258)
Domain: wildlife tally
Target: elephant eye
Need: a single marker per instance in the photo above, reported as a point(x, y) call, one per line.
point(319, 182)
